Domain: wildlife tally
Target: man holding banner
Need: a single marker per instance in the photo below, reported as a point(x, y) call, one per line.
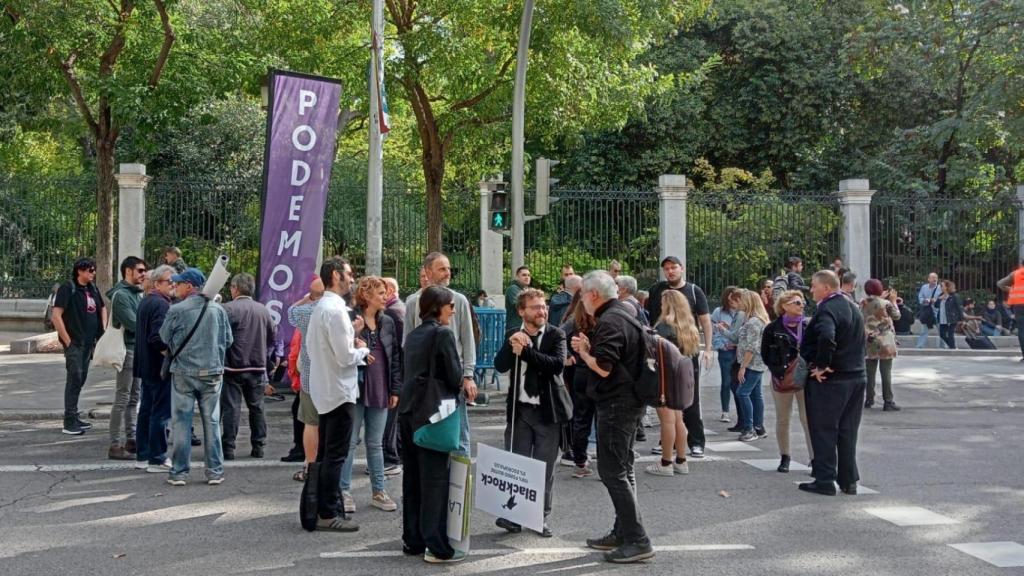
point(538, 402)
point(614, 353)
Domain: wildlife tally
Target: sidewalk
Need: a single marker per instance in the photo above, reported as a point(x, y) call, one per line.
point(32, 388)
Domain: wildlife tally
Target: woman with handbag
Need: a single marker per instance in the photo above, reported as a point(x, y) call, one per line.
point(379, 384)
point(780, 349)
point(748, 354)
point(433, 373)
point(951, 312)
point(678, 326)
point(879, 310)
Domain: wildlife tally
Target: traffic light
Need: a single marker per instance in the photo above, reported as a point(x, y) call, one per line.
point(499, 208)
point(544, 183)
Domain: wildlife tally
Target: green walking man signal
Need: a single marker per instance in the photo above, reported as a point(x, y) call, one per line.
point(499, 208)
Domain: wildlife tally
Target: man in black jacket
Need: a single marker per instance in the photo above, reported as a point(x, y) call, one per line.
point(833, 347)
point(537, 402)
point(155, 405)
point(614, 353)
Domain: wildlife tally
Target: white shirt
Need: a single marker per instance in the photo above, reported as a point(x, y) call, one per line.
point(333, 356)
point(523, 396)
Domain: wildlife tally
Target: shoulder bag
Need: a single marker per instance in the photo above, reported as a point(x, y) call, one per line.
point(441, 436)
point(165, 368)
point(110, 348)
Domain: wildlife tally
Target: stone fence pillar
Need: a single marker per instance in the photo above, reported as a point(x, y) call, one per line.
point(131, 210)
point(492, 265)
point(673, 190)
point(855, 203)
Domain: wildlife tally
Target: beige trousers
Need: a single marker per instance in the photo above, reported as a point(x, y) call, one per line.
point(783, 410)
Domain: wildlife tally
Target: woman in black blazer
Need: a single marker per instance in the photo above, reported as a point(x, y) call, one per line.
point(950, 313)
point(425, 478)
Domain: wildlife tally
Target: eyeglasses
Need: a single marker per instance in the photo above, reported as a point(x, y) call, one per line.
point(90, 270)
point(451, 305)
point(796, 302)
point(537, 307)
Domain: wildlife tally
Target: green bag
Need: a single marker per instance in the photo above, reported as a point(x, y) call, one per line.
point(440, 436)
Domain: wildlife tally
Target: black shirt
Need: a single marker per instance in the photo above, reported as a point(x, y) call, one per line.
point(698, 301)
point(616, 344)
point(82, 305)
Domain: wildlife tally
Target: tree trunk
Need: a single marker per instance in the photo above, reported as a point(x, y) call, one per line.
point(433, 171)
point(105, 186)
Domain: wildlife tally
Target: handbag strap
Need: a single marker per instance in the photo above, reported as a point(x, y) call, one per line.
point(195, 327)
point(661, 371)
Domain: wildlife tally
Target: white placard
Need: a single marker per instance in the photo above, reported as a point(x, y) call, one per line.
point(458, 497)
point(510, 486)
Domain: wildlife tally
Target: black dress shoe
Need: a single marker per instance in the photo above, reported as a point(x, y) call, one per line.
point(890, 407)
point(413, 551)
point(196, 441)
point(736, 428)
point(508, 525)
point(257, 452)
point(850, 490)
point(546, 532)
point(294, 457)
point(869, 403)
point(229, 455)
point(818, 488)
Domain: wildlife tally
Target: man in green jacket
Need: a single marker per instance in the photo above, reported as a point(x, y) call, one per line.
point(521, 281)
point(125, 297)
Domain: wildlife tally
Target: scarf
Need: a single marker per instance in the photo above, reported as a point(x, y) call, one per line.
point(794, 325)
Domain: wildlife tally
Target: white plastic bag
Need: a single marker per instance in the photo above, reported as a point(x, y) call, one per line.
point(110, 349)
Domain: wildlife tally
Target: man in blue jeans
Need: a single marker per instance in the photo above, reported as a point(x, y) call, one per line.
point(196, 373)
point(614, 353)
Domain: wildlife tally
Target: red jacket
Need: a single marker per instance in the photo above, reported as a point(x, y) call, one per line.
point(293, 361)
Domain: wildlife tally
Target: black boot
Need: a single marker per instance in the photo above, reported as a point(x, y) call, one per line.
point(784, 465)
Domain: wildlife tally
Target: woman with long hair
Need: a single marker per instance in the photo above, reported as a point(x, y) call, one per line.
point(752, 367)
point(676, 325)
point(433, 372)
point(577, 321)
point(725, 322)
point(780, 347)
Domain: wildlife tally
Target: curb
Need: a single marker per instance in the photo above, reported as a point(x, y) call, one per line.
point(492, 409)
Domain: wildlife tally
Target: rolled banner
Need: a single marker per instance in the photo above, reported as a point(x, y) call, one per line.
point(218, 277)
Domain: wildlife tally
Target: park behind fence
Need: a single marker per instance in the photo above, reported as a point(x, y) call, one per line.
point(732, 237)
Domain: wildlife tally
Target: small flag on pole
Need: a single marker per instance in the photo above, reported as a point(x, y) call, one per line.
point(378, 74)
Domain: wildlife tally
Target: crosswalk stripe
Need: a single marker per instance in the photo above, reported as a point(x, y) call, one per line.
point(542, 551)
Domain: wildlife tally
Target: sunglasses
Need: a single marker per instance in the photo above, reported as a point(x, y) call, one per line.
point(140, 270)
point(797, 302)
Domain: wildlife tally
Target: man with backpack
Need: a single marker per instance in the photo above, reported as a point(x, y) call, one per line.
point(675, 279)
point(790, 279)
point(614, 353)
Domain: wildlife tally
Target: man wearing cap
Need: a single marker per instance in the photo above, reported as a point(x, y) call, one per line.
point(196, 373)
point(675, 279)
point(79, 317)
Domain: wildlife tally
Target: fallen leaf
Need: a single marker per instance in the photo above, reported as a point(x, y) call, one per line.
point(723, 494)
point(121, 555)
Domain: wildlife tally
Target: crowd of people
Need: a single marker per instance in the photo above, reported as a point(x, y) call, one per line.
point(368, 367)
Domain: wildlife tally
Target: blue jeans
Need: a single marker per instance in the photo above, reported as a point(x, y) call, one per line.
point(749, 395)
point(725, 361)
point(186, 391)
point(154, 415)
point(375, 420)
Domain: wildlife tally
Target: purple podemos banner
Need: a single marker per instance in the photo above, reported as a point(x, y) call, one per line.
point(301, 130)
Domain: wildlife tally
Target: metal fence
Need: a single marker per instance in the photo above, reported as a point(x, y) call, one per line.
point(589, 228)
point(207, 218)
point(973, 242)
point(45, 224)
point(740, 238)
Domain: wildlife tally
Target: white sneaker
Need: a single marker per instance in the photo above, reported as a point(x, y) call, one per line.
point(175, 481)
point(658, 470)
point(683, 468)
point(724, 417)
point(656, 449)
point(382, 501)
point(159, 468)
point(141, 464)
point(215, 481)
point(350, 504)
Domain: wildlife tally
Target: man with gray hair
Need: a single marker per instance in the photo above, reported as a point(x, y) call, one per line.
point(560, 301)
point(155, 403)
point(245, 371)
point(627, 294)
point(614, 353)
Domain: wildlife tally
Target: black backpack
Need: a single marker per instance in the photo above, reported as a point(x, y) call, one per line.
point(648, 378)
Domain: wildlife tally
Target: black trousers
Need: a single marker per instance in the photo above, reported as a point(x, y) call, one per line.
point(424, 496)
point(392, 440)
point(947, 335)
point(691, 416)
point(834, 409)
point(335, 437)
point(76, 361)
point(616, 433)
point(583, 412)
point(297, 429)
point(239, 386)
point(537, 439)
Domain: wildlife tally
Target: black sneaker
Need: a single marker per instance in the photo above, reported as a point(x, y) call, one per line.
point(229, 454)
point(761, 432)
point(607, 542)
point(72, 427)
point(294, 457)
point(195, 440)
point(890, 407)
point(257, 452)
point(630, 553)
point(736, 428)
point(83, 424)
point(508, 526)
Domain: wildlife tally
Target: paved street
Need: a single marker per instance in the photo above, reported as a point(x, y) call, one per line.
point(947, 471)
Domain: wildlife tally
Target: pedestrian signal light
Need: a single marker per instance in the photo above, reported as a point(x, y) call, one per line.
point(499, 208)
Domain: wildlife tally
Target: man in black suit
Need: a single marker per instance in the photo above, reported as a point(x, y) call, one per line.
point(538, 402)
point(833, 347)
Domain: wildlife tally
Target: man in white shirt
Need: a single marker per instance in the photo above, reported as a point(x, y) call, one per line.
point(437, 271)
point(334, 355)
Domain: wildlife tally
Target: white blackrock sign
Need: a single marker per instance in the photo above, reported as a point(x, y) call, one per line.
point(510, 486)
